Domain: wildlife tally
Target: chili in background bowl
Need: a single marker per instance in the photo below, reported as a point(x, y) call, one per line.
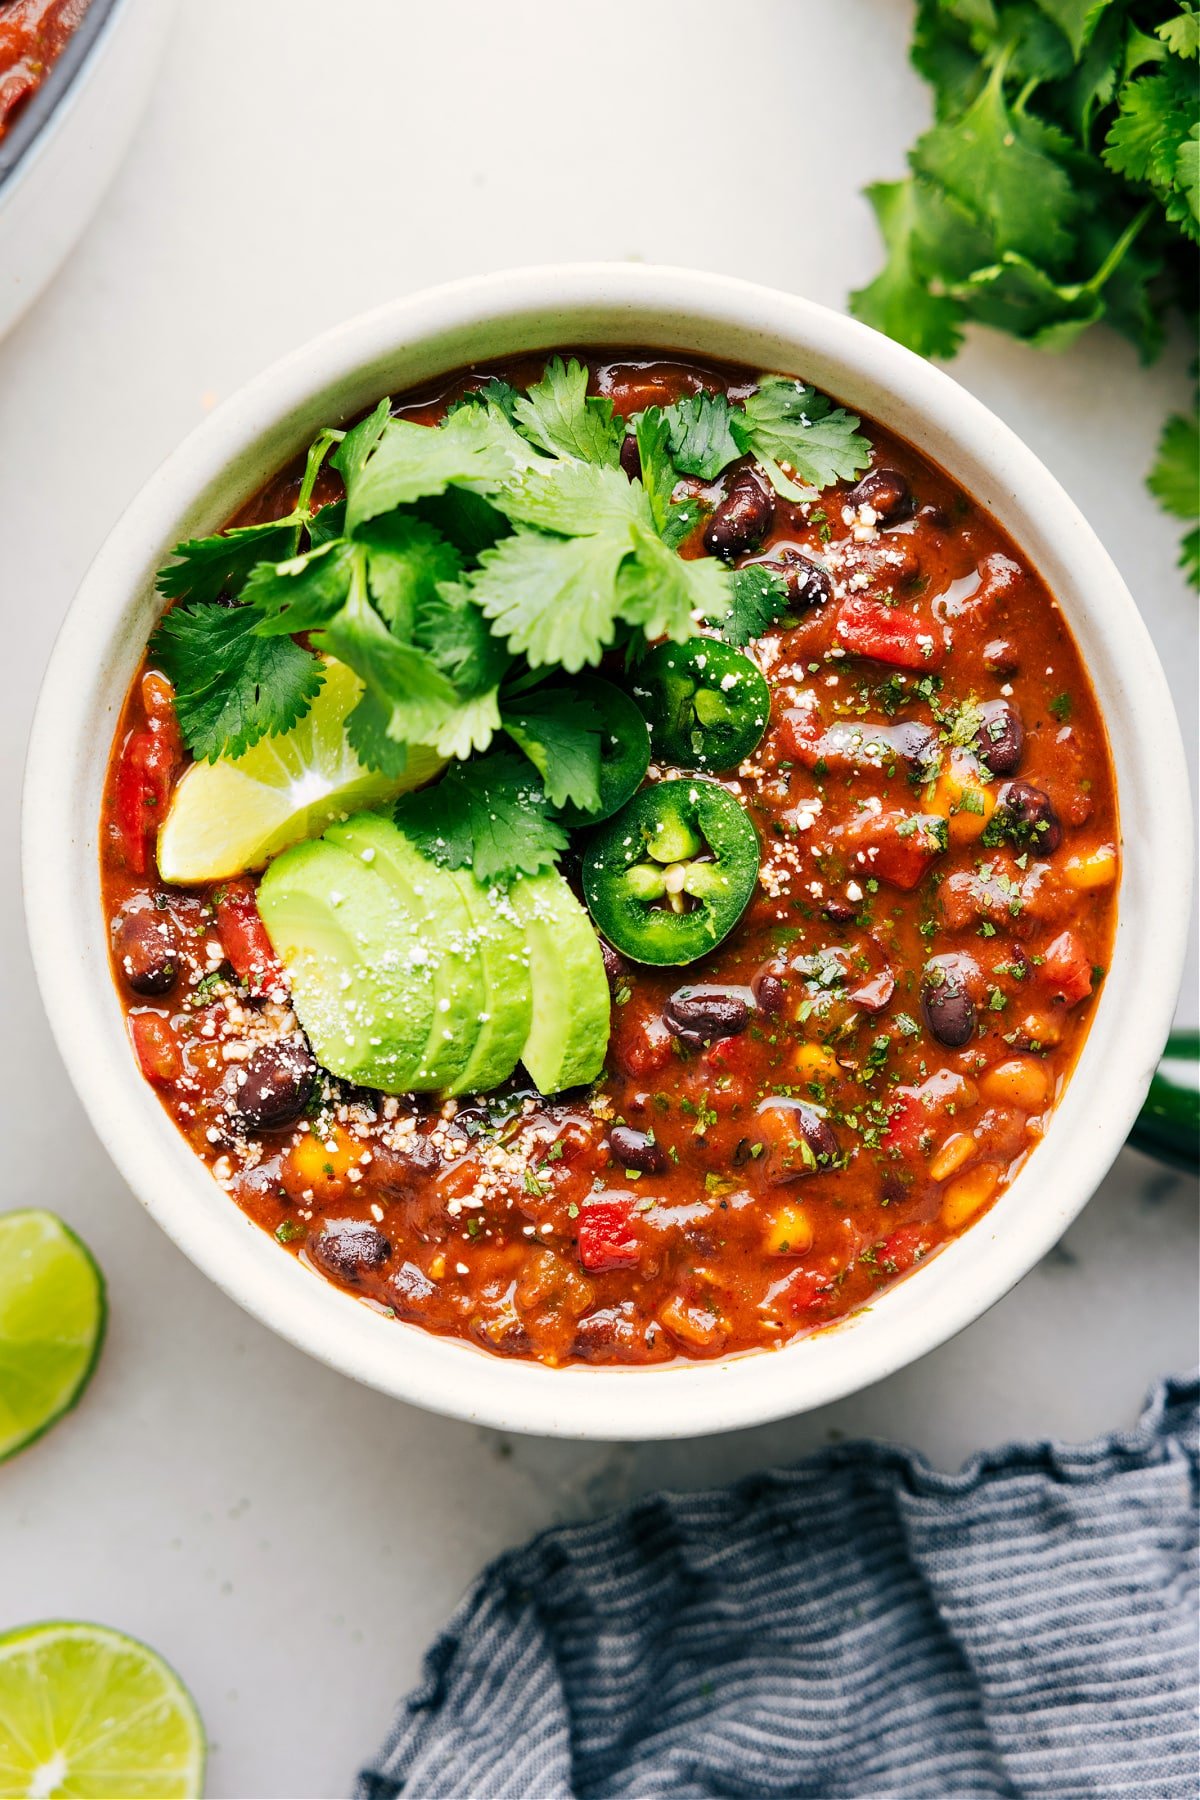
point(226, 461)
point(61, 144)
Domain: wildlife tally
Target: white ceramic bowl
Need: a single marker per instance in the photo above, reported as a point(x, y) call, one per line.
point(63, 149)
point(224, 462)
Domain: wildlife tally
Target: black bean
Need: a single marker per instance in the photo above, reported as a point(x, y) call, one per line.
point(839, 912)
point(1001, 657)
point(701, 1015)
point(631, 460)
point(887, 491)
point(808, 584)
point(743, 518)
point(614, 963)
point(272, 1087)
point(146, 955)
point(636, 1150)
point(1025, 814)
point(1001, 737)
point(410, 1291)
point(399, 1173)
point(948, 1007)
point(769, 994)
point(348, 1249)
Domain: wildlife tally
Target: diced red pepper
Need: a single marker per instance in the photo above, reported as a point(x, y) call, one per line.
point(731, 1055)
point(145, 772)
point(641, 1041)
point(1067, 969)
point(897, 847)
point(906, 1245)
point(808, 1291)
point(888, 634)
point(906, 1121)
point(155, 1046)
point(606, 1236)
point(244, 936)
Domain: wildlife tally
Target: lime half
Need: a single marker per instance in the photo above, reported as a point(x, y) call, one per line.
point(52, 1315)
point(235, 814)
point(86, 1711)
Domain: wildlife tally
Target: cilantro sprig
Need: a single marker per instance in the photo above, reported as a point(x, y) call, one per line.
point(1058, 185)
point(467, 561)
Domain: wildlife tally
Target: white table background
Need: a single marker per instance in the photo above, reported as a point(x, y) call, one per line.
point(289, 1541)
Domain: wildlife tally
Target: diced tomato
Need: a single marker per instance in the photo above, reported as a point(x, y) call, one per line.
point(641, 1041)
point(606, 1236)
point(906, 1121)
point(799, 735)
point(157, 1051)
point(1067, 969)
point(244, 936)
point(145, 772)
point(808, 1291)
point(906, 1245)
point(896, 847)
point(731, 1055)
point(888, 634)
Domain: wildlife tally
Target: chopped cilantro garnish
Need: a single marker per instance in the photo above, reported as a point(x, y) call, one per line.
point(1060, 706)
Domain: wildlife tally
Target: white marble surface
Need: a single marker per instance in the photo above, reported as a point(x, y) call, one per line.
point(289, 1541)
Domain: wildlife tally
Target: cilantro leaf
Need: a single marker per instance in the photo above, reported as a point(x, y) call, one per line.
point(558, 415)
point(756, 598)
point(701, 439)
point(406, 560)
point(302, 592)
point(360, 443)
point(232, 688)
point(475, 447)
point(661, 591)
point(659, 477)
point(899, 300)
point(494, 392)
point(553, 599)
point(1181, 35)
point(490, 815)
point(451, 627)
point(991, 163)
point(561, 738)
point(574, 499)
point(207, 568)
point(1175, 483)
point(787, 422)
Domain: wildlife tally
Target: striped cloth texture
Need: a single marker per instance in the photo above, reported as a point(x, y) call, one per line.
point(860, 1625)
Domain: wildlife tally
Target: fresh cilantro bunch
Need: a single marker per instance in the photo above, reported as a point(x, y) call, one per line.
point(466, 564)
point(1059, 185)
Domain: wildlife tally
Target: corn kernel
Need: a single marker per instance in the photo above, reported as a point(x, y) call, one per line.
point(437, 1267)
point(1095, 869)
point(952, 1155)
point(816, 1062)
point(1020, 1081)
point(968, 1193)
point(790, 1232)
point(963, 799)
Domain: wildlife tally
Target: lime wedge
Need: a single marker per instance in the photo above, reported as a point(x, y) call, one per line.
point(235, 814)
point(51, 1324)
point(86, 1711)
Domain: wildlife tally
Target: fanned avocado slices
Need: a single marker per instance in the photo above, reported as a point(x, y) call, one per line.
point(434, 902)
point(359, 971)
point(568, 1035)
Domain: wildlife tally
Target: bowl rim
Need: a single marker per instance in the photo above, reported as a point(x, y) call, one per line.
point(228, 455)
point(56, 92)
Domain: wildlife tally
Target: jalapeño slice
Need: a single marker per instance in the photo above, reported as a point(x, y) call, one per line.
point(624, 749)
point(671, 875)
point(707, 704)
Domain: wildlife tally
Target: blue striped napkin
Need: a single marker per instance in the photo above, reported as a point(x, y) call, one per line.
point(858, 1626)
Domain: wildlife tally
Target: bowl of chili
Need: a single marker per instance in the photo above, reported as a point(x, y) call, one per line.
point(74, 78)
point(880, 882)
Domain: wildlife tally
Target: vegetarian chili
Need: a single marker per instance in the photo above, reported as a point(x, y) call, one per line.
point(32, 36)
point(850, 847)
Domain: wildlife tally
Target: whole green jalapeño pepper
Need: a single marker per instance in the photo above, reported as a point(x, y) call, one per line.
point(708, 705)
point(672, 874)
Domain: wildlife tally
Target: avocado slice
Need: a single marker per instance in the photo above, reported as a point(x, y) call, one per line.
point(361, 985)
point(433, 901)
point(499, 940)
point(568, 1036)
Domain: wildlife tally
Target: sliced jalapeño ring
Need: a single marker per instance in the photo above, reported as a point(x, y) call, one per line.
point(708, 705)
point(670, 876)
